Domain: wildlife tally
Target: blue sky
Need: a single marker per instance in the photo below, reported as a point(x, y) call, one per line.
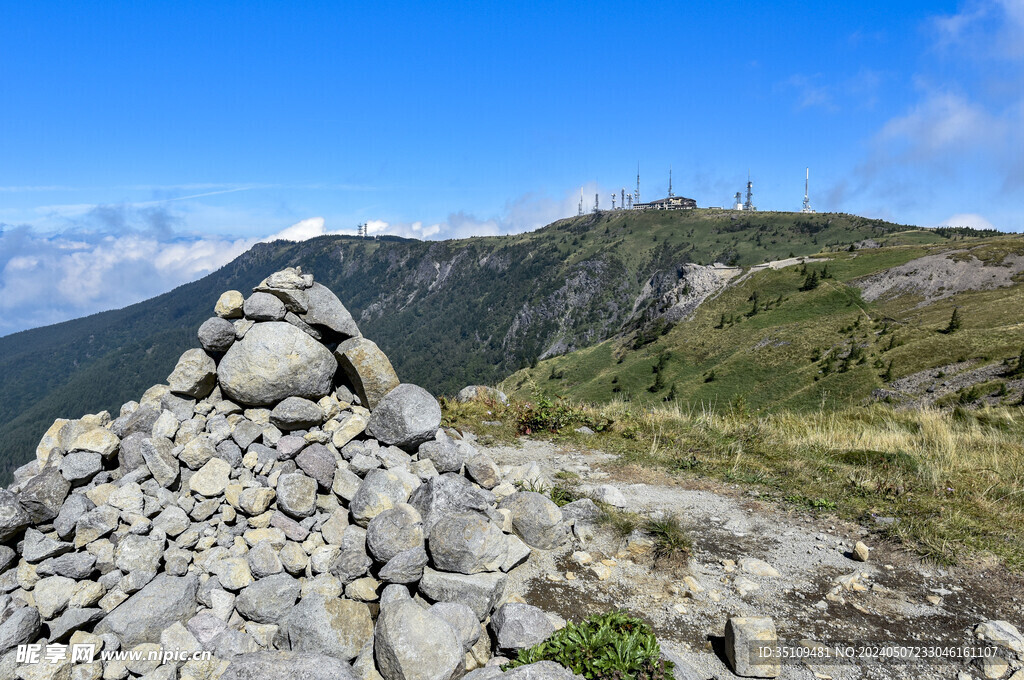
point(145, 144)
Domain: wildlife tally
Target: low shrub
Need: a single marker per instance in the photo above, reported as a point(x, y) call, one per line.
point(612, 646)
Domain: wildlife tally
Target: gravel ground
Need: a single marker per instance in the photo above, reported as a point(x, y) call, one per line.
point(896, 596)
point(935, 277)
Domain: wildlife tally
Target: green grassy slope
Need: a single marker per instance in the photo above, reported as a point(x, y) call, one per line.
point(794, 352)
point(447, 313)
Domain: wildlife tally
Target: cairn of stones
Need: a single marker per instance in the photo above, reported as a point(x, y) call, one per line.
point(283, 503)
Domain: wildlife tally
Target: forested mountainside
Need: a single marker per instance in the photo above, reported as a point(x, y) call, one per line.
point(448, 313)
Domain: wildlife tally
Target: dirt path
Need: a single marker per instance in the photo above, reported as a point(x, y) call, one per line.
point(893, 597)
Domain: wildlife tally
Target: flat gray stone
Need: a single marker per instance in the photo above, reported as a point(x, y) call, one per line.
point(299, 665)
point(263, 307)
point(517, 625)
point(296, 413)
point(194, 375)
point(368, 370)
point(142, 617)
point(268, 599)
point(325, 311)
point(536, 519)
point(405, 567)
point(406, 417)
point(38, 547)
point(335, 627)
point(480, 592)
point(317, 462)
point(21, 627)
point(296, 494)
point(467, 543)
point(78, 467)
point(41, 497)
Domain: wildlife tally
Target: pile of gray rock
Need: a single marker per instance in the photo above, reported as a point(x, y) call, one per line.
point(283, 503)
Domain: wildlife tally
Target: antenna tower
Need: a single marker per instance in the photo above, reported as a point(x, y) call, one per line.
point(622, 197)
point(749, 205)
point(670, 194)
point(613, 200)
point(580, 211)
point(738, 202)
point(807, 201)
point(597, 202)
point(636, 194)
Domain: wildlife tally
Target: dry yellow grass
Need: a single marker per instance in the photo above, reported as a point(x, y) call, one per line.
point(953, 478)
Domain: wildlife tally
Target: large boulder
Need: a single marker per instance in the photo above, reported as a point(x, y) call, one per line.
point(143, 616)
point(13, 517)
point(42, 496)
point(480, 592)
point(296, 494)
point(445, 495)
point(380, 490)
point(394, 531)
point(332, 626)
point(444, 452)
point(194, 375)
point(293, 665)
point(410, 643)
point(462, 620)
point(296, 413)
point(368, 370)
point(467, 543)
point(274, 361)
point(517, 625)
point(325, 311)
point(536, 519)
point(743, 635)
point(20, 626)
point(217, 334)
point(268, 599)
point(263, 307)
point(406, 417)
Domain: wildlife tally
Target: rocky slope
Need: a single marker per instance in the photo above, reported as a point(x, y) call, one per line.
point(283, 504)
point(842, 328)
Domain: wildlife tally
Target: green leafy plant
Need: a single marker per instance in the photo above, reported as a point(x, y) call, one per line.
point(545, 413)
point(612, 646)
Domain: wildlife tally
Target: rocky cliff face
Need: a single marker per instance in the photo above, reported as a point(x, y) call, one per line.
point(283, 504)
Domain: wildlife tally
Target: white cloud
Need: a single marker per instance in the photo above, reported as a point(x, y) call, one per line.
point(972, 220)
point(526, 213)
point(942, 123)
point(983, 29)
point(306, 229)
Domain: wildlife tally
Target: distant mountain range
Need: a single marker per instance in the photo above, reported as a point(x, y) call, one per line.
point(475, 310)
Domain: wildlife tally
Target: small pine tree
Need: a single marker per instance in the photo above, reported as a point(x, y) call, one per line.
point(710, 377)
point(887, 376)
point(954, 322)
point(811, 282)
point(721, 321)
point(658, 385)
point(671, 396)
